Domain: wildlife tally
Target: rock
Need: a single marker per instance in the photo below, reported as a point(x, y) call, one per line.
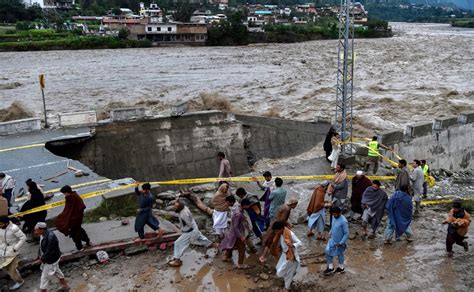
point(92, 262)
point(103, 219)
point(78, 173)
point(113, 216)
point(163, 246)
point(85, 276)
point(125, 222)
point(264, 276)
point(159, 202)
point(303, 61)
point(352, 236)
point(137, 285)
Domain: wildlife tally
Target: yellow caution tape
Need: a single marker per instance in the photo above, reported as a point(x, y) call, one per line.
point(73, 186)
point(437, 202)
point(251, 179)
point(22, 147)
point(181, 182)
point(62, 202)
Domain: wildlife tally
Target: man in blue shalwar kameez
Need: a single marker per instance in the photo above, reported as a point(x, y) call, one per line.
point(337, 243)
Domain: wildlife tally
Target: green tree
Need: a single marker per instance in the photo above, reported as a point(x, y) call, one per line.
point(123, 33)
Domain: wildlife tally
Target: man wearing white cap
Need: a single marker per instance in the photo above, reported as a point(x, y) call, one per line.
point(49, 256)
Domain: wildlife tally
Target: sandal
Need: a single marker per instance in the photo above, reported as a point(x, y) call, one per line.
point(242, 267)
point(175, 263)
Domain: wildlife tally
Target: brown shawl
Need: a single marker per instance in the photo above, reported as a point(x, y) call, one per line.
point(317, 200)
point(72, 214)
point(339, 177)
point(275, 248)
point(219, 199)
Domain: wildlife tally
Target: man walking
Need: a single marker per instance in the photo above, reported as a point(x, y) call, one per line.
point(283, 214)
point(426, 173)
point(373, 155)
point(359, 184)
point(237, 236)
point(417, 178)
point(267, 187)
point(400, 213)
point(289, 263)
point(190, 234)
point(458, 224)
point(70, 220)
point(254, 211)
point(49, 256)
point(337, 243)
point(277, 197)
point(224, 168)
point(7, 184)
point(316, 211)
point(374, 200)
point(145, 213)
point(403, 176)
point(338, 187)
point(11, 240)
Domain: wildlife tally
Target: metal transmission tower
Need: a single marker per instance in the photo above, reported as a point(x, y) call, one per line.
point(345, 71)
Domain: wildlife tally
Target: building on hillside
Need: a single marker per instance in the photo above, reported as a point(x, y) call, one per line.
point(153, 11)
point(50, 4)
point(175, 33)
point(308, 8)
point(359, 13)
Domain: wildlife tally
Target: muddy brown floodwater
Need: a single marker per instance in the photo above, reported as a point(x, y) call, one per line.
point(371, 266)
point(426, 70)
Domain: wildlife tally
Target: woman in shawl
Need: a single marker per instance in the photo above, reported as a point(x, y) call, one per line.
point(219, 216)
point(70, 220)
point(36, 200)
point(327, 143)
point(336, 150)
point(316, 211)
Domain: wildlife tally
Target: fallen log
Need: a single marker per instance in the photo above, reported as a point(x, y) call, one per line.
point(197, 201)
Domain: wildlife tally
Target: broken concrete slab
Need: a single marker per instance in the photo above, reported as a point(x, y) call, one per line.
point(419, 129)
point(391, 137)
point(443, 123)
point(127, 114)
point(466, 117)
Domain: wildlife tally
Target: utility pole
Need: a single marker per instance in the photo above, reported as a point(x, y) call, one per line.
point(42, 84)
point(345, 71)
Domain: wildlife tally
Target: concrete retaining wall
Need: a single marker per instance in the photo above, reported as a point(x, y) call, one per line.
point(24, 125)
point(186, 146)
point(447, 144)
point(276, 138)
point(165, 148)
point(77, 118)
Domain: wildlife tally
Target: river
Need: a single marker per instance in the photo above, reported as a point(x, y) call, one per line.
point(425, 70)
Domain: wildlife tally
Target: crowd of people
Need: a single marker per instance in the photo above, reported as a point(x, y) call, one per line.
point(242, 220)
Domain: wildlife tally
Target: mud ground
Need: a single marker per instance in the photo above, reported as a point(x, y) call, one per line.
point(371, 266)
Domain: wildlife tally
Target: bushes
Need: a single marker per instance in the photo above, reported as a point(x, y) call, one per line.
point(74, 43)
